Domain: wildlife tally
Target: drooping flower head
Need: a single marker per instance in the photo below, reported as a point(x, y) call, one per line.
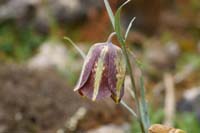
point(103, 72)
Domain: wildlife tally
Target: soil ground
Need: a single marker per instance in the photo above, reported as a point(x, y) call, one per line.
point(42, 102)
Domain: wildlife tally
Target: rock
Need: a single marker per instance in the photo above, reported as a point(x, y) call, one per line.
point(125, 128)
point(172, 49)
point(162, 56)
point(15, 9)
point(71, 125)
point(67, 12)
point(190, 102)
point(73, 11)
point(191, 94)
point(52, 54)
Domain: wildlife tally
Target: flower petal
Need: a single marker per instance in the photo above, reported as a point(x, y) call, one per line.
point(91, 57)
point(100, 71)
point(118, 99)
point(116, 71)
point(96, 87)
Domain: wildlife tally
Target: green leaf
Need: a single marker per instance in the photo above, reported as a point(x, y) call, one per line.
point(110, 13)
point(143, 105)
point(76, 47)
point(117, 26)
point(129, 27)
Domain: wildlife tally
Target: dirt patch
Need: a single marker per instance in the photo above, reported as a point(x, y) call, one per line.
point(41, 101)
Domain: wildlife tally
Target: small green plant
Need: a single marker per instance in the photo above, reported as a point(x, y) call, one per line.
point(18, 44)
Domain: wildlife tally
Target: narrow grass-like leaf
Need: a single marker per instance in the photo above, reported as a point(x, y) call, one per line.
point(129, 27)
point(143, 105)
point(110, 13)
point(129, 109)
point(118, 27)
point(117, 21)
point(83, 55)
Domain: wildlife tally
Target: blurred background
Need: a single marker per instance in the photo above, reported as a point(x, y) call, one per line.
point(38, 68)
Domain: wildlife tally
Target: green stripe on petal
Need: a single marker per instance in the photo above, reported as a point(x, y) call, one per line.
point(121, 71)
point(99, 68)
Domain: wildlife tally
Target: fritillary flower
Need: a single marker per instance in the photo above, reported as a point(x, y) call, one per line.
point(103, 72)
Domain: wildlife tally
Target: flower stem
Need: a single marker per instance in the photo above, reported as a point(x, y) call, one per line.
point(129, 69)
point(139, 94)
point(110, 37)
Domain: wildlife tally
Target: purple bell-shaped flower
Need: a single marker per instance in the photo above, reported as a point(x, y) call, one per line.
point(103, 72)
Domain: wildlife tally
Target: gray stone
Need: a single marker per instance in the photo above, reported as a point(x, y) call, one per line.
point(51, 54)
point(125, 128)
point(13, 9)
point(190, 101)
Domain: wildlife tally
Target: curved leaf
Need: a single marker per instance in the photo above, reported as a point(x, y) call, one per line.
point(110, 13)
point(76, 47)
point(129, 27)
